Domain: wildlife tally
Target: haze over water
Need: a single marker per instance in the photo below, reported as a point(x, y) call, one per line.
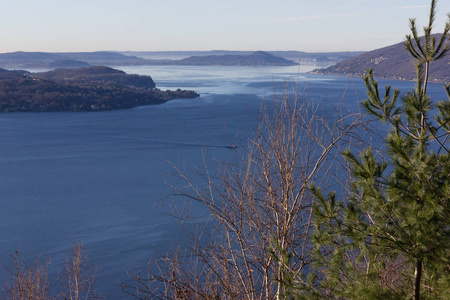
point(100, 176)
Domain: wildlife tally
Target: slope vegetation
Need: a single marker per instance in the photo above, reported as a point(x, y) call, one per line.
point(392, 62)
point(84, 89)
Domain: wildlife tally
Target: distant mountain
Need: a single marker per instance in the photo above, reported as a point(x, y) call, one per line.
point(392, 62)
point(103, 58)
point(258, 58)
point(30, 56)
point(304, 57)
point(36, 60)
point(43, 60)
point(67, 64)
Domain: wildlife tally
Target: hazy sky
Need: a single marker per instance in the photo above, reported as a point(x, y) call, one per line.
point(154, 25)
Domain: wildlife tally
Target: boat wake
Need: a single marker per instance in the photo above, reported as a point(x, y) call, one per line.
point(181, 143)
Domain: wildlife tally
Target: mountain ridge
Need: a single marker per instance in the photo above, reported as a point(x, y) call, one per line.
point(390, 62)
point(257, 58)
point(47, 60)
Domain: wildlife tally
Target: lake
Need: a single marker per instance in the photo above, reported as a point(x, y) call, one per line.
point(100, 176)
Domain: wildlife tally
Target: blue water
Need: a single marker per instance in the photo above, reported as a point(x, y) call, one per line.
point(100, 176)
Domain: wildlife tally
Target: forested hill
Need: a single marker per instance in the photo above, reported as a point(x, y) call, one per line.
point(84, 89)
point(96, 74)
point(258, 58)
point(392, 62)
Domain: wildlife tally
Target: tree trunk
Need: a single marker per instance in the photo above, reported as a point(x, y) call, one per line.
point(425, 80)
point(417, 276)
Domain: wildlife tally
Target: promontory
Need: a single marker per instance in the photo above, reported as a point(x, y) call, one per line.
point(82, 89)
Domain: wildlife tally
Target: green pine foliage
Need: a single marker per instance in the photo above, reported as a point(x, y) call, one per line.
point(390, 238)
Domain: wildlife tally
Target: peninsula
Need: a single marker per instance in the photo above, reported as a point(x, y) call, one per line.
point(82, 89)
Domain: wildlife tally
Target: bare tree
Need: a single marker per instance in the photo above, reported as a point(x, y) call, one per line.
point(30, 282)
point(78, 276)
point(255, 241)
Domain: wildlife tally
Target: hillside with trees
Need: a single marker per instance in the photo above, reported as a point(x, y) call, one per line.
point(99, 74)
point(391, 62)
point(84, 89)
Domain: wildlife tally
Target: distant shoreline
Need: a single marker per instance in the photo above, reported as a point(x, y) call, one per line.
point(434, 80)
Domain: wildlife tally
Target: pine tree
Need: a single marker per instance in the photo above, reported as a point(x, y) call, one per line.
point(390, 238)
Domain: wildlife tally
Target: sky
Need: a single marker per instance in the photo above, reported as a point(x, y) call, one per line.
point(175, 25)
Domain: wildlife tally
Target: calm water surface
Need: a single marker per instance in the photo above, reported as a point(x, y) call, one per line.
point(100, 176)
